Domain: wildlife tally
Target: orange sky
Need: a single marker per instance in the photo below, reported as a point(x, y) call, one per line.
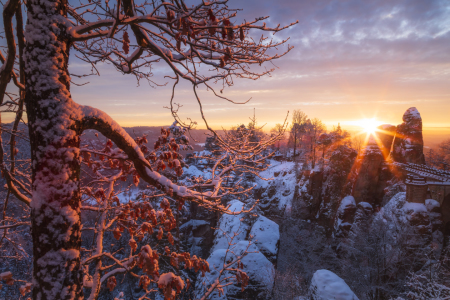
point(352, 59)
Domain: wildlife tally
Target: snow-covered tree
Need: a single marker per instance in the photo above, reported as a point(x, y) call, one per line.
point(133, 37)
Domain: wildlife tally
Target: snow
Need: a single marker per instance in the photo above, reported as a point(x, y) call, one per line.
point(281, 175)
point(365, 205)
point(127, 197)
point(167, 278)
point(263, 245)
point(347, 202)
point(5, 275)
point(325, 285)
point(411, 112)
point(276, 167)
point(194, 171)
point(266, 234)
point(393, 215)
point(230, 225)
point(431, 204)
point(410, 207)
point(396, 202)
point(194, 224)
point(256, 265)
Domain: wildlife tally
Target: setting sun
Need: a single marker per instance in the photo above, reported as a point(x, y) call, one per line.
point(368, 125)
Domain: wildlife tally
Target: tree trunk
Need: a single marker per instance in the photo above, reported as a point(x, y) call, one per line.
point(53, 121)
point(295, 143)
point(314, 157)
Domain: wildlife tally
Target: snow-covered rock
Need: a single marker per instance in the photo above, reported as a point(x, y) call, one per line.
point(408, 142)
point(193, 171)
point(325, 285)
point(345, 215)
point(230, 225)
point(335, 183)
point(432, 205)
point(276, 195)
point(258, 268)
point(266, 234)
point(231, 240)
point(347, 203)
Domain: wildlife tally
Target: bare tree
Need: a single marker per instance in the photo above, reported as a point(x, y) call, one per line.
point(297, 129)
point(133, 37)
point(277, 130)
point(439, 157)
point(316, 129)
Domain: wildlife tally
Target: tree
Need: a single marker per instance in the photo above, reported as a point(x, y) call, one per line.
point(339, 137)
point(277, 130)
point(317, 128)
point(440, 156)
point(324, 141)
point(358, 142)
point(297, 129)
point(150, 32)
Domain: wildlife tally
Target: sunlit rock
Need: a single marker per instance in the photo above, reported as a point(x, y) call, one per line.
point(408, 142)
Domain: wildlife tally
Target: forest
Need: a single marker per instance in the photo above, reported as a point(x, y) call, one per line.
point(302, 210)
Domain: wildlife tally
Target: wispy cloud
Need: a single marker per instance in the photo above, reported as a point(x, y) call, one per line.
point(351, 58)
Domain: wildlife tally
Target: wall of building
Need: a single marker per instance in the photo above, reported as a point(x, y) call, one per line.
point(416, 193)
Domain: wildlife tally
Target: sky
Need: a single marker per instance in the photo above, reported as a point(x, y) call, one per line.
point(352, 59)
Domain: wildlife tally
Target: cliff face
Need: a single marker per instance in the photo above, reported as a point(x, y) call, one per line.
point(408, 142)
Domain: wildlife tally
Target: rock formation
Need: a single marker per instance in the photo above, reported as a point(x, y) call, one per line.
point(337, 183)
point(345, 215)
point(385, 136)
point(408, 142)
point(368, 166)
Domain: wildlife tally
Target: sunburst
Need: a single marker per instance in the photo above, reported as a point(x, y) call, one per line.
point(369, 126)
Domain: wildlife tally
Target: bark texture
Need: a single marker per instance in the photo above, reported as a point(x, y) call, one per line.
point(55, 139)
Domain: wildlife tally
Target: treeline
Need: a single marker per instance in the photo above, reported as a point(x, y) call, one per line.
point(439, 157)
point(307, 139)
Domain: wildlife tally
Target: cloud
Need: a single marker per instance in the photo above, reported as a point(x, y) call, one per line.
point(350, 57)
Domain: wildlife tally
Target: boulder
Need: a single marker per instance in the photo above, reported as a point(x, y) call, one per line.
point(230, 226)
point(325, 285)
point(231, 239)
point(408, 141)
point(258, 268)
point(266, 234)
